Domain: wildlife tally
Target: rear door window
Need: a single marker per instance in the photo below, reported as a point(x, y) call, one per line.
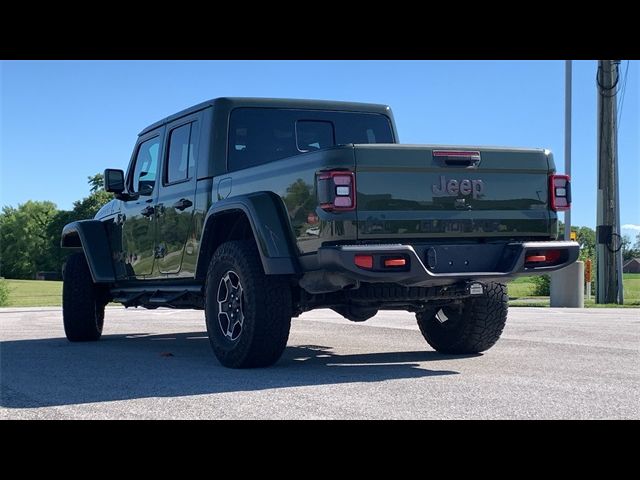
point(183, 143)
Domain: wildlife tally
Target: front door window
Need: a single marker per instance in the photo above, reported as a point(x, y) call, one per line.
point(146, 167)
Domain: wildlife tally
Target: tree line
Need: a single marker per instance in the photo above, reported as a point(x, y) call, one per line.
point(30, 232)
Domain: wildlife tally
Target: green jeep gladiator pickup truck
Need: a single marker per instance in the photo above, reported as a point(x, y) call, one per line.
point(257, 210)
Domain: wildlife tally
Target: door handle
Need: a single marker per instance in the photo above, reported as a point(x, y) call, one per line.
point(182, 204)
point(148, 211)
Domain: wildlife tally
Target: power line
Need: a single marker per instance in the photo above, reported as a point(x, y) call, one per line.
point(623, 90)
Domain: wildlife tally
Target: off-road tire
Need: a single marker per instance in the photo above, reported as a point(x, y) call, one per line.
point(265, 304)
point(473, 329)
point(83, 301)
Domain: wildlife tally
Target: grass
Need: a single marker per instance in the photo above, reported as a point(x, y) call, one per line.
point(544, 302)
point(631, 283)
point(521, 287)
point(521, 293)
point(34, 293)
point(38, 293)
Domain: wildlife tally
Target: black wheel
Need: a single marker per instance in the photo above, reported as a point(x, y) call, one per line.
point(248, 313)
point(471, 328)
point(83, 302)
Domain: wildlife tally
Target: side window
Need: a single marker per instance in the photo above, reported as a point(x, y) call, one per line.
point(181, 160)
point(146, 167)
point(260, 135)
point(314, 135)
point(363, 128)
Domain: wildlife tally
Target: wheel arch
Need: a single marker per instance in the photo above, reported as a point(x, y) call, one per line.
point(260, 216)
point(90, 236)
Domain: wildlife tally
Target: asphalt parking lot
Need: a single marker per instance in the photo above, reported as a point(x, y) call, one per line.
point(550, 363)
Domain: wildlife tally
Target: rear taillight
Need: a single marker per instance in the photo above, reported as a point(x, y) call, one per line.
point(336, 190)
point(544, 258)
point(560, 192)
point(380, 263)
point(364, 261)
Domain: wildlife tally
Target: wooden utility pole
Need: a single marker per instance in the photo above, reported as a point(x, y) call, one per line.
point(608, 254)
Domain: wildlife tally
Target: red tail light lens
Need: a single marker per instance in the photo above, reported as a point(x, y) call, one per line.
point(336, 190)
point(363, 261)
point(552, 255)
point(560, 192)
point(544, 258)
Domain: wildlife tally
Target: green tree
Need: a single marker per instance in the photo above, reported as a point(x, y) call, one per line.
point(55, 254)
point(96, 182)
point(89, 206)
point(586, 237)
point(629, 252)
point(542, 285)
point(98, 197)
point(24, 239)
point(82, 210)
point(30, 233)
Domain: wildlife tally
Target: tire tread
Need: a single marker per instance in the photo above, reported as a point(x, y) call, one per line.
point(483, 323)
point(82, 307)
point(273, 297)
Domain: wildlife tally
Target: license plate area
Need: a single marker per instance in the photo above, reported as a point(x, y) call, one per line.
point(469, 258)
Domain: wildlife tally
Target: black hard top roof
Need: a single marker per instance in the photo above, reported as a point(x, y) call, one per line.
point(229, 103)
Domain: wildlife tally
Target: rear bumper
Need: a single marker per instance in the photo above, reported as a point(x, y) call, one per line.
point(428, 265)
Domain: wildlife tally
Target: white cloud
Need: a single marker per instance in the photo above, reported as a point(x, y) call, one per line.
point(630, 226)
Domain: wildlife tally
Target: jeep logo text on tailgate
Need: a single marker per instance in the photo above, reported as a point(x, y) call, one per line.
point(455, 187)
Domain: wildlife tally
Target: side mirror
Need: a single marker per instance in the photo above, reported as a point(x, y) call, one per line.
point(114, 181)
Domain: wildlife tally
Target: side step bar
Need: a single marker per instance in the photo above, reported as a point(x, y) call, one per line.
point(179, 296)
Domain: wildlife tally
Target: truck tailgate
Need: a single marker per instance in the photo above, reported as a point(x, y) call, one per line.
point(429, 191)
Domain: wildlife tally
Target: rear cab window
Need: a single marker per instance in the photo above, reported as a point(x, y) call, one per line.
point(262, 135)
point(314, 135)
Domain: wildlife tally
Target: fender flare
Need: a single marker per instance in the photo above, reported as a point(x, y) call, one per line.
point(271, 230)
point(91, 237)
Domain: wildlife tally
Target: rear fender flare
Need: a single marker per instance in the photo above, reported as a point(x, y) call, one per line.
point(270, 226)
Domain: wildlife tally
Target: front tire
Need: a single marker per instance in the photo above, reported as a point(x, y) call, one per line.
point(83, 302)
point(248, 313)
point(473, 328)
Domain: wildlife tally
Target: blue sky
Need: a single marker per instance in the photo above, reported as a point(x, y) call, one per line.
point(62, 121)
